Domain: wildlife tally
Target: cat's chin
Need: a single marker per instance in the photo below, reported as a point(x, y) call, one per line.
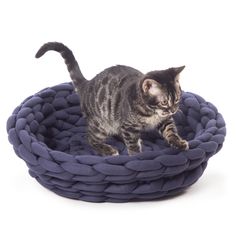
point(167, 115)
point(161, 115)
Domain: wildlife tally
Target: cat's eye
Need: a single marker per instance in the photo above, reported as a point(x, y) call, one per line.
point(164, 102)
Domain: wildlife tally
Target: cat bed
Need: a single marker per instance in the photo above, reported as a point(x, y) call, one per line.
point(48, 132)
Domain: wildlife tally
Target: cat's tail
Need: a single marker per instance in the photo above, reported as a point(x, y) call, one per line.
point(72, 65)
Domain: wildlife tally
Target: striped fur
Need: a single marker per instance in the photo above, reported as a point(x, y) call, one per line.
point(168, 130)
point(123, 101)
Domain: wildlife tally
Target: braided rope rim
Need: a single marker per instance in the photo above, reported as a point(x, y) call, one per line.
point(153, 174)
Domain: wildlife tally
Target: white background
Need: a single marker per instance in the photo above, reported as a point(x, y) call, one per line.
point(147, 35)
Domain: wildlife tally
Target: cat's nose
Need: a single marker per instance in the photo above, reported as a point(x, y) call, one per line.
point(172, 110)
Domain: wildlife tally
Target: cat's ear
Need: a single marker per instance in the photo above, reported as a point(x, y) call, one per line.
point(177, 70)
point(150, 86)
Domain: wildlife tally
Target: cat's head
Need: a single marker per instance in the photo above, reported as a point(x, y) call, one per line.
point(161, 90)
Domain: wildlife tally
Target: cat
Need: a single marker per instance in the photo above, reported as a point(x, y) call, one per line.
point(123, 101)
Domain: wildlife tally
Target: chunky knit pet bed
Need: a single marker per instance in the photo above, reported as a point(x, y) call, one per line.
point(49, 133)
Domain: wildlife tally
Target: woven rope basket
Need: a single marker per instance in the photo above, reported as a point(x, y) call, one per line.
point(48, 132)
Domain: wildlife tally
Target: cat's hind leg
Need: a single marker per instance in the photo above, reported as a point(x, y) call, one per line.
point(97, 137)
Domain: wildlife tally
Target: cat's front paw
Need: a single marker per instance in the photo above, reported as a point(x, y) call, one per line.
point(179, 143)
point(112, 152)
point(107, 150)
point(184, 144)
point(134, 150)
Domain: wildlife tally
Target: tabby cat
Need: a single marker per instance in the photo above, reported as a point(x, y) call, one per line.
point(123, 101)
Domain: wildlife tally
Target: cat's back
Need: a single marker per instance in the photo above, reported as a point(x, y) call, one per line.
point(117, 73)
point(112, 79)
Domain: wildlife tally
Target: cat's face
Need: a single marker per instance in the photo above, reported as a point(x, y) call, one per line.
point(162, 91)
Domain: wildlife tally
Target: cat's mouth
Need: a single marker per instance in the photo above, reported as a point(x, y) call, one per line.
point(167, 113)
point(164, 113)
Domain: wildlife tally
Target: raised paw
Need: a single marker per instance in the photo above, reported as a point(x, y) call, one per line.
point(183, 144)
point(179, 143)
